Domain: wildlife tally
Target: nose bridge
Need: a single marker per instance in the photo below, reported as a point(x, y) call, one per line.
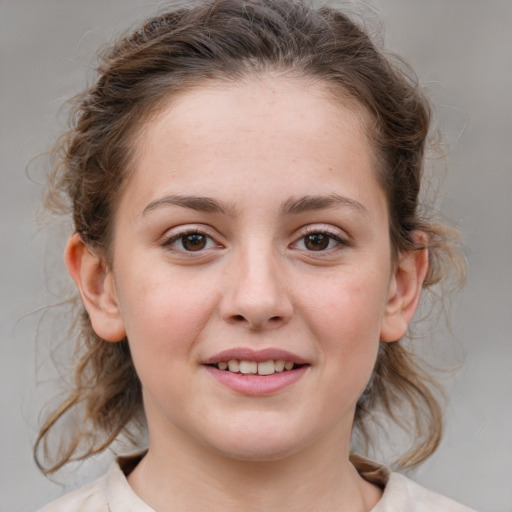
point(257, 293)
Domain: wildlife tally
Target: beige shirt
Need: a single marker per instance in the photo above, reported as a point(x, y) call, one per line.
point(112, 493)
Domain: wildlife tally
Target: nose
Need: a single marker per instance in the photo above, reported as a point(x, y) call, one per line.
point(256, 292)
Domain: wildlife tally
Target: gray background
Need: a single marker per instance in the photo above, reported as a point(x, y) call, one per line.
point(462, 51)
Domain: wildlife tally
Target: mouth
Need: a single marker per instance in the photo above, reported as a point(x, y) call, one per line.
point(257, 372)
point(251, 367)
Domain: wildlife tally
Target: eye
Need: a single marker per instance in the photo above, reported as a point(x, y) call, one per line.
point(192, 241)
point(318, 241)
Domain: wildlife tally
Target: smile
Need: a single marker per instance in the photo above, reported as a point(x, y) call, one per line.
point(256, 372)
point(256, 368)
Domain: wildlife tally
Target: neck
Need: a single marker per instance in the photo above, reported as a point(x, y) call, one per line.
point(317, 478)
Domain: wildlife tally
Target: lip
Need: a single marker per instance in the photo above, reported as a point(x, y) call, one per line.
point(257, 385)
point(259, 356)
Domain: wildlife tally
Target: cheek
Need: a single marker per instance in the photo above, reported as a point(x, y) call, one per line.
point(351, 303)
point(163, 316)
point(346, 316)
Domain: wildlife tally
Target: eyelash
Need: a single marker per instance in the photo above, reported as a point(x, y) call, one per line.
point(169, 241)
point(330, 236)
point(340, 242)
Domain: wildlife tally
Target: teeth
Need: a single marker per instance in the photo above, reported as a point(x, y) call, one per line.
point(233, 365)
point(248, 367)
point(266, 368)
point(252, 367)
point(279, 365)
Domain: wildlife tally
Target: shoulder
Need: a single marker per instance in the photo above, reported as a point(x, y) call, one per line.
point(90, 498)
point(402, 493)
point(110, 493)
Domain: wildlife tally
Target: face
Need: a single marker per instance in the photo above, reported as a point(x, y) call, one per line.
point(253, 235)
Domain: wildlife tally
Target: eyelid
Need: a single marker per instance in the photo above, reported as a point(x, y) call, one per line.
point(324, 228)
point(175, 234)
point(336, 234)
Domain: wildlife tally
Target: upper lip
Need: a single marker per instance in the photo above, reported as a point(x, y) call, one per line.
point(260, 356)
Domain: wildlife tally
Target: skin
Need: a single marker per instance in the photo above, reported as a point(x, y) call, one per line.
point(255, 148)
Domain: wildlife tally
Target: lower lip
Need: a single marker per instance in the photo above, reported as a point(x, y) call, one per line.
point(257, 385)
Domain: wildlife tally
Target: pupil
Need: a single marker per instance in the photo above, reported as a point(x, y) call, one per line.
point(317, 242)
point(194, 242)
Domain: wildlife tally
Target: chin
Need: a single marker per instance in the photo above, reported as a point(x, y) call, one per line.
point(259, 444)
point(269, 452)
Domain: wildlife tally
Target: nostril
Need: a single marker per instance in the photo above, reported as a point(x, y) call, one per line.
point(241, 318)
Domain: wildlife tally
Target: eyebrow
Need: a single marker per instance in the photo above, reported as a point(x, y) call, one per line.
point(198, 203)
point(296, 206)
point(292, 206)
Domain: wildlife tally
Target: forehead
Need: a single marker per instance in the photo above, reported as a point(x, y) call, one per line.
point(256, 106)
point(258, 128)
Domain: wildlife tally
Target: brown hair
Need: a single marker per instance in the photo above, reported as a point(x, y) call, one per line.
point(227, 40)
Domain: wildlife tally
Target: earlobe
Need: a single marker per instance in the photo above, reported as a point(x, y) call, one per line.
point(96, 286)
point(405, 290)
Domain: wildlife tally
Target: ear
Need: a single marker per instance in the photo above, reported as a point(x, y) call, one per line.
point(405, 289)
point(96, 286)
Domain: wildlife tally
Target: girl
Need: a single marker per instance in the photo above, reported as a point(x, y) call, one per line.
point(249, 250)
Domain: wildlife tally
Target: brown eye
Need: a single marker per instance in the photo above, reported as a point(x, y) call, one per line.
point(320, 241)
point(194, 241)
point(317, 241)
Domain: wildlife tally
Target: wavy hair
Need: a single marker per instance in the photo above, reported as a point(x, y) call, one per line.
point(229, 40)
